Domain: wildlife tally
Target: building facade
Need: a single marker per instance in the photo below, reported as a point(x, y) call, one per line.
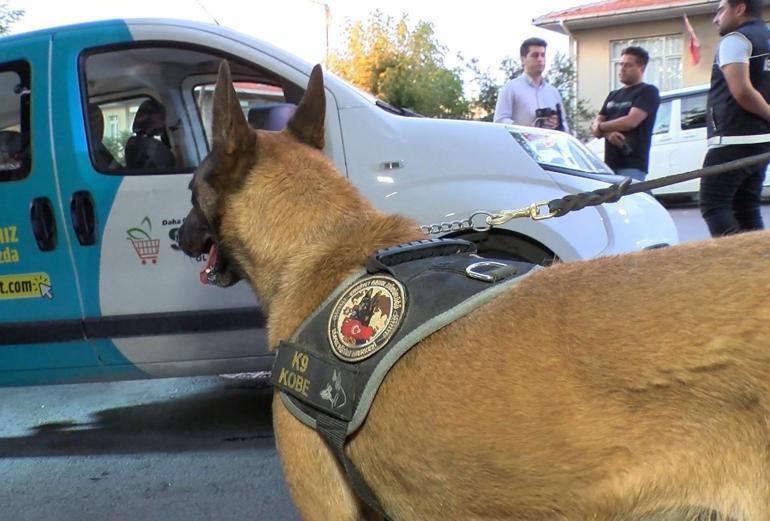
point(599, 31)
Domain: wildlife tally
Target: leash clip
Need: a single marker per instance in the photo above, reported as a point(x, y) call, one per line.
point(533, 211)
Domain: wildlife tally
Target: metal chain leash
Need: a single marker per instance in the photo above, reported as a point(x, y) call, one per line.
point(456, 226)
point(564, 205)
point(481, 221)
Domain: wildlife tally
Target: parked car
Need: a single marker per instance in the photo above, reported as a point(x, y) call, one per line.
point(678, 141)
point(92, 284)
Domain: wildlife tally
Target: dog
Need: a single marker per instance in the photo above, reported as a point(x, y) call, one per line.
point(634, 387)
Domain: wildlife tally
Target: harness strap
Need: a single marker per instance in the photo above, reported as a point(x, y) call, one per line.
point(334, 432)
point(425, 285)
point(739, 140)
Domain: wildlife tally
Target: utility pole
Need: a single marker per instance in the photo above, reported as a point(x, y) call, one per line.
point(327, 23)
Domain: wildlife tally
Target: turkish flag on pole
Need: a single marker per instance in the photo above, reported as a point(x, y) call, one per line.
point(693, 44)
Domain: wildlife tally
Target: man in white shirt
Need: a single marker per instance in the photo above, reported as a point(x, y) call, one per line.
point(519, 99)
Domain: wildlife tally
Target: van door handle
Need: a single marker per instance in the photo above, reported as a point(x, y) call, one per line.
point(83, 217)
point(43, 223)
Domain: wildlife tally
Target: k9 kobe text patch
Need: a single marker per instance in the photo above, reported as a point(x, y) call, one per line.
point(326, 386)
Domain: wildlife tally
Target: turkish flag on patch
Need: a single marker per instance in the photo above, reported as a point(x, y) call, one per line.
point(693, 44)
point(353, 328)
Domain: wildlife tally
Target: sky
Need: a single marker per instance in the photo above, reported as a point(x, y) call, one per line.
point(487, 30)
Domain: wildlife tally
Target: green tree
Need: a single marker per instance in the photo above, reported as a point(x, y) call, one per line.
point(117, 145)
point(401, 65)
point(561, 74)
point(482, 106)
point(8, 17)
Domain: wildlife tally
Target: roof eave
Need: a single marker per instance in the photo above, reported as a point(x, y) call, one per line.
point(567, 24)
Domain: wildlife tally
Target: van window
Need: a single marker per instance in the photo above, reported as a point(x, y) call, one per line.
point(15, 153)
point(263, 104)
point(133, 110)
point(662, 119)
point(694, 112)
point(148, 106)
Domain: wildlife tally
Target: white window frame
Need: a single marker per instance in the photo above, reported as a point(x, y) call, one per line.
point(665, 69)
point(113, 126)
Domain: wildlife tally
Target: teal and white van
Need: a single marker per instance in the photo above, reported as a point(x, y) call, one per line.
point(101, 126)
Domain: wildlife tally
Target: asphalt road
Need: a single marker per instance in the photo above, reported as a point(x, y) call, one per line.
point(184, 449)
point(691, 225)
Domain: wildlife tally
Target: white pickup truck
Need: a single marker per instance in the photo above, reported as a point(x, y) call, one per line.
point(101, 126)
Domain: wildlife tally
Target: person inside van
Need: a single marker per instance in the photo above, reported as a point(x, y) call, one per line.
point(627, 116)
point(737, 119)
point(149, 148)
point(101, 156)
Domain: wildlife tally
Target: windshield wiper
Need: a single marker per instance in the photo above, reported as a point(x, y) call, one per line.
point(397, 110)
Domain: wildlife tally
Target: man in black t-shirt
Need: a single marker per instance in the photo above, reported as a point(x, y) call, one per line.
point(627, 116)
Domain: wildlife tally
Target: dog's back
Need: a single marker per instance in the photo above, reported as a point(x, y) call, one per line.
point(624, 385)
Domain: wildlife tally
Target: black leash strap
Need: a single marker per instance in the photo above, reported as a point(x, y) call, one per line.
point(334, 432)
point(611, 194)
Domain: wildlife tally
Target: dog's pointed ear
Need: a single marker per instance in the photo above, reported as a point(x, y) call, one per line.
point(307, 122)
point(231, 131)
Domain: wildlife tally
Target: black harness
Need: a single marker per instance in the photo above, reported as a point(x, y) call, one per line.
point(330, 370)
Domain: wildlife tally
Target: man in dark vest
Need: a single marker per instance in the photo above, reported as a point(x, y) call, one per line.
point(738, 118)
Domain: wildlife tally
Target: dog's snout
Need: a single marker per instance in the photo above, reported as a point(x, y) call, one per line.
point(193, 235)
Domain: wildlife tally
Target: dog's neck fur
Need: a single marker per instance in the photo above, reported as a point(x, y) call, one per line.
point(331, 261)
point(345, 235)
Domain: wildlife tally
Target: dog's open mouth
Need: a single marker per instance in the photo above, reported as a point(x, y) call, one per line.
point(218, 271)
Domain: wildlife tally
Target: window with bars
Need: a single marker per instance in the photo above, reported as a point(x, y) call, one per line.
point(665, 67)
point(113, 126)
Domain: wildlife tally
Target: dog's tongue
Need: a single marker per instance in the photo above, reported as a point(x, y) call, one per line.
point(210, 262)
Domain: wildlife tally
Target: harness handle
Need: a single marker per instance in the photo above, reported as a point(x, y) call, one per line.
point(416, 250)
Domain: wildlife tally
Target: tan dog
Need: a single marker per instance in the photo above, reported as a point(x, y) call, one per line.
point(632, 387)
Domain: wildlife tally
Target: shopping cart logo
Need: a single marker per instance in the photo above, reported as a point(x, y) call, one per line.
point(146, 248)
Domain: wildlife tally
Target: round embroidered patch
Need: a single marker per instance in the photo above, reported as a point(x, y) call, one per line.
point(365, 317)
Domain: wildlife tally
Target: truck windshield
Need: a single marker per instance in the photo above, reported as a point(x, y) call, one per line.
point(557, 151)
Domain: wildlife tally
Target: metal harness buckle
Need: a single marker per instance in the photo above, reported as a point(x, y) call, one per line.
point(472, 272)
